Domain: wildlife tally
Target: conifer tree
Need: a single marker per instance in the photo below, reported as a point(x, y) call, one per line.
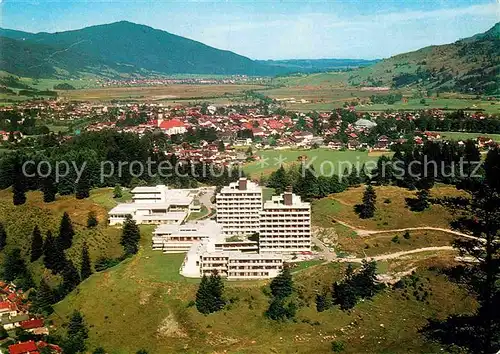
point(36, 244)
point(117, 192)
point(66, 185)
point(13, 265)
point(203, 296)
point(53, 255)
point(92, 219)
point(66, 232)
point(210, 294)
point(82, 189)
point(278, 180)
point(216, 286)
point(44, 299)
point(282, 285)
point(77, 334)
point(86, 267)
point(49, 189)
point(19, 188)
point(320, 302)
point(421, 202)
point(3, 237)
point(130, 236)
point(367, 209)
point(71, 277)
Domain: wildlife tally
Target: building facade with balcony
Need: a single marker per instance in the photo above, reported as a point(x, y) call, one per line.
point(238, 207)
point(285, 225)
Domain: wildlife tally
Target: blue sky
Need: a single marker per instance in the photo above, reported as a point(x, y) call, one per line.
point(266, 29)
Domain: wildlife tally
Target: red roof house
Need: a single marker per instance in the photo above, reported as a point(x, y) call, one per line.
point(23, 348)
point(30, 324)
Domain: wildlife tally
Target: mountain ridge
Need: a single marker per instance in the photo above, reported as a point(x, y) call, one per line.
point(125, 49)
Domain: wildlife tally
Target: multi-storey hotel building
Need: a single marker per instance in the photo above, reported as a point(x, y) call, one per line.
point(238, 207)
point(285, 224)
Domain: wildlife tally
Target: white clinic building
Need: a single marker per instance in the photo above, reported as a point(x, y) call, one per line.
point(208, 256)
point(285, 224)
point(156, 205)
point(238, 207)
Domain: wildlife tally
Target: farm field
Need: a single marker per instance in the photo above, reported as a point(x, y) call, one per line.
point(466, 136)
point(327, 91)
point(157, 93)
point(321, 159)
point(440, 103)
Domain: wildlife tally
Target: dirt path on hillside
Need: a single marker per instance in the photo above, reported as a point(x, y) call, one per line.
point(384, 257)
point(364, 232)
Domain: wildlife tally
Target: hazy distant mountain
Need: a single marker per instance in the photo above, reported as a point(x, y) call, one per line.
point(318, 65)
point(120, 47)
point(469, 65)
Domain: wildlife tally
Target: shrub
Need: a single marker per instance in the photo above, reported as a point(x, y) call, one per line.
point(338, 346)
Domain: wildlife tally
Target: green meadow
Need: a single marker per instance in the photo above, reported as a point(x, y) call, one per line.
point(323, 160)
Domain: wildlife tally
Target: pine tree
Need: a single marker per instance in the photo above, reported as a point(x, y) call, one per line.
point(66, 232)
point(92, 219)
point(14, 266)
point(479, 332)
point(36, 244)
point(282, 285)
point(19, 188)
point(320, 302)
point(307, 185)
point(368, 207)
point(345, 295)
point(203, 296)
point(365, 281)
point(216, 286)
point(86, 267)
point(71, 277)
point(49, 189)
point(117, 192)
point(82, 189)
point(130, 236)
point(278, 180)
point(77, 334)
point(53, 255)
point(66, 185)
point(3, 237)
point(44, 299)
point(210, 294)
point(421, 202)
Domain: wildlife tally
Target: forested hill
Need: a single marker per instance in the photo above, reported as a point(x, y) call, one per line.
point(470, 65)
point(118, 48)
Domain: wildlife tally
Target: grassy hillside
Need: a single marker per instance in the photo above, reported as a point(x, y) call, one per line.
point(470, 65)
point(19, 221)
point(145, 301)
point(144, 298)
point(391, 212)
point(40, 60)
